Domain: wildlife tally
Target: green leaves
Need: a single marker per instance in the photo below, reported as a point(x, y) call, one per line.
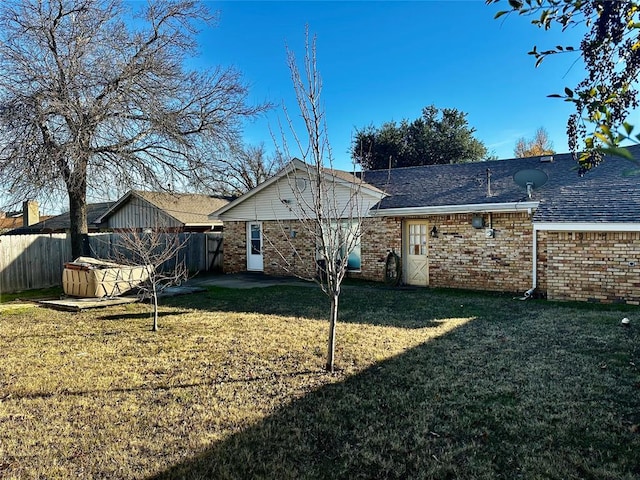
point(609, 49)
point(438, 136)
point(617, 152)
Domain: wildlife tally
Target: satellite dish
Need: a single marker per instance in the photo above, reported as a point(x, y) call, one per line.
point(530, 178)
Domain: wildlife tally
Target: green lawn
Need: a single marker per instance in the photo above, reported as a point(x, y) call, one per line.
point(430, 384)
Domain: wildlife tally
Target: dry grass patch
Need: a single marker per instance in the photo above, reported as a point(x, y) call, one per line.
point(97, 394)
point(431, 385)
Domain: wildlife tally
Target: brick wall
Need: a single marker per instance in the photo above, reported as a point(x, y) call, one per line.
point(380, 236)
point(464, 257)
point(234, 258)
point(593, 266)
point(585, 266)
point(541, 273)
point(460, 256)
point(286, 253)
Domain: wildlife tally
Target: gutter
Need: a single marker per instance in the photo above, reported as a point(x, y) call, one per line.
point(449, 209)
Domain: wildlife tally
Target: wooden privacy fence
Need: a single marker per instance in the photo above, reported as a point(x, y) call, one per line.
point(37, 261)
point(32, 261)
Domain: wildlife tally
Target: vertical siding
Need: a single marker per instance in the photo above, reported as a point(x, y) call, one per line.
point(138, 213)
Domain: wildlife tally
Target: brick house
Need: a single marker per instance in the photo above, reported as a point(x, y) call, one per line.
point(470, 226)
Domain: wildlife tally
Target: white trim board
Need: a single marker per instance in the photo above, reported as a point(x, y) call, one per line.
point(587, 226)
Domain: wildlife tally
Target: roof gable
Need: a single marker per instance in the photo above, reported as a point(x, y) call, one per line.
point(273, 198)
point(188, 209)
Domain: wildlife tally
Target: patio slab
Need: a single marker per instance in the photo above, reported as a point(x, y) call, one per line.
point(79, 304)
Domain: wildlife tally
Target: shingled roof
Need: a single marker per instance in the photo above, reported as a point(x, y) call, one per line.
point(608, 193)
point(62, 222)
point(186, 208)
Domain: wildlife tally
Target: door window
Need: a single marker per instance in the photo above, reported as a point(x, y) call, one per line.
point(417, 239)
point(256, 241)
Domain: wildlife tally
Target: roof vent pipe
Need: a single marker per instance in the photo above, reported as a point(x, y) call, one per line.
point(546, 159)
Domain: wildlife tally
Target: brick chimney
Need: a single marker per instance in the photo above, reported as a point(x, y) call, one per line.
point(30, 213)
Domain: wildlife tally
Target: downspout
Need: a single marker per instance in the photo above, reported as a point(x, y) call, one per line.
point(534, 261)
point(534, 266)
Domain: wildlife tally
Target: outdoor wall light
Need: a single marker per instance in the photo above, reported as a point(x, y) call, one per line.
point(293, 233)
point(434, 232)
point(477, 221)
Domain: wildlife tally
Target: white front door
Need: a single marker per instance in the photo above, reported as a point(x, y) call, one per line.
point(254, 247)
point(417, 260)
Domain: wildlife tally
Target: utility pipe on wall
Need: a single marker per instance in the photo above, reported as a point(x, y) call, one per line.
point(534, 261)
point(534, 266)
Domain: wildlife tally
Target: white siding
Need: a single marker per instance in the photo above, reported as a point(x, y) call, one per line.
point(282, 200)
point(138, 213)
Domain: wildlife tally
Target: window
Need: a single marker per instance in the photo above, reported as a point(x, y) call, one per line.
point(347, 237)
point(354, 261)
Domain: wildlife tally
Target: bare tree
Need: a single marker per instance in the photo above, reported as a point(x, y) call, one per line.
point(241, 168)
point(328, 204)
point(539, 145)
point(91, 97)
point(158, 251)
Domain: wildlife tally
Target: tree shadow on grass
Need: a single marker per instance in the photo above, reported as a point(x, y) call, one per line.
point(138, 315)
point(165, 386)
point(474, 403)
point(404, 308)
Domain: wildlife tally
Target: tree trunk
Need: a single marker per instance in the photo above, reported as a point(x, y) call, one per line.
point(154, 298)
point(78, 220)
point(332, 333)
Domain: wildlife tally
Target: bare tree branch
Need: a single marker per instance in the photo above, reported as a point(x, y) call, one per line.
point(328, 205)
point(88, 100)
point(158, 250)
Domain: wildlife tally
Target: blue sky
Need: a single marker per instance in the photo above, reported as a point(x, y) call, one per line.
point(386, 60)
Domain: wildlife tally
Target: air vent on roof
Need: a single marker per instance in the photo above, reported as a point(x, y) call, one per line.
point(546, 159)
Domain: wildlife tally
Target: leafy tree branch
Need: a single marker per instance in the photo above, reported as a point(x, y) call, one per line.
point(610, 49)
